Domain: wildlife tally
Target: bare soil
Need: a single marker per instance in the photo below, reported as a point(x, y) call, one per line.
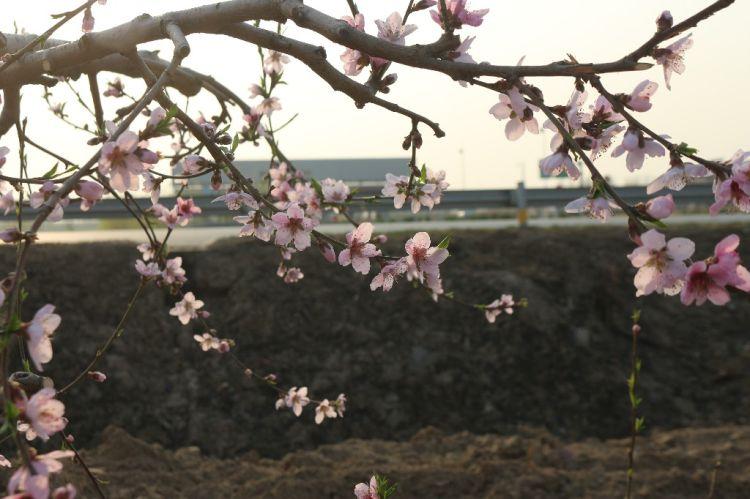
point(406, 364)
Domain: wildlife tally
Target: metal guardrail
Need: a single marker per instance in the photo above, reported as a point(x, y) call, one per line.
point(452, 200)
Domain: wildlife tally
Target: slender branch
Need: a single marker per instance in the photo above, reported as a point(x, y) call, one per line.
point(96, 97)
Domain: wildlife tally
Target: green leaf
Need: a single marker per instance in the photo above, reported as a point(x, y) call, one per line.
point(235, 142)
point(51, 173)
point(685, 149)
point(445, 242)
point(318, 188)
point(423, 176)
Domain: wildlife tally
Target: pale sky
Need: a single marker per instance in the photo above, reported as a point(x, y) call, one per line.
point(706, 107)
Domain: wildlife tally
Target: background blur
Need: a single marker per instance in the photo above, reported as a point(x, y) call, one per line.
point(702, 108)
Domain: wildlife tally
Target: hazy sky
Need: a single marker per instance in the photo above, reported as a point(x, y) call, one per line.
point(706, 107)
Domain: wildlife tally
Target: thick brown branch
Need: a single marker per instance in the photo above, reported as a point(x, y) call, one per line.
point(315, 58)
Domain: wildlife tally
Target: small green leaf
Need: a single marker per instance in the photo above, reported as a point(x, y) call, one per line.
point(445, 242)
point(235, 142)
point(51, 173)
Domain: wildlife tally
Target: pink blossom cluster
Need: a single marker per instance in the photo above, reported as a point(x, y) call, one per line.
point(426, 190)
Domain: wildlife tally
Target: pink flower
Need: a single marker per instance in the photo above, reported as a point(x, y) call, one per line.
point(38, 334)
point(37, 199)
point(393, 29)
point(422, 257)
point(173, 271)
point(388, 275)
point(89, 192)
point(147, 251)
point(87, 26)
point(672, 57)
point(365, 491)
point(269, 105)
point(575, 115)
point(601, 143)
point(736, 188)
point(68, 491)
point(193, 164)
point(640, 99)
point(359, 250)
point(504, 305)
point(255, 224)
point(354, 61)
point(7, 201)
point(37, 486)
point(638, 147)
point(147, 269)
point(187, 308)
point(599, 207)
point(660, 207)
point(43, 413)
point(186, 209)
point(327, 251)
point(4, 462)
point(677, 177)
point(119, 160)
point(10, 235)
point(660, 264)
point(397, 188)
point(293, 226)
point(602, 110)
point(153, 185)
point(521, 115)
point(273, 64)
point(708, 279)
point(207, 341)
point(334, 191)
point(236, 199)
point(324, 410)
point(255, 90)
point(559, 162)
point(458, 15)
point(296, 399)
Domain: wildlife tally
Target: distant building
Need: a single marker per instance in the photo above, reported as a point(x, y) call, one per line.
point(362, 173)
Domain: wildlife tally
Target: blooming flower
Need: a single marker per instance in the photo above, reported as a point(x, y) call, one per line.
point(293, 275)
point(397, 188)
point(359, 250)
point(503, 305)
point(334, 191)
point(735, 188)
point(119, 160)
point(147, 269)
point(677, 177)
point(672, 57)
point(37, 485)
point(638, 147)
point(660, 207)
point(575, 115)
point(207, 341)
point(296, 399)
point(45, 191)
point(602, 110)
point(38, 334)
point(43, 413)
point(457, 15)
point(255, 224)
point(521, 115)
point(173, 271)
point(640, 99)
point(559, 162)
point(660, 264)
point(236, 199)
point(269, 105)
point(393, 29)
point(273, 64)
point(388, 275)
point(324, 410)
point(187, 308)
point(293, 226)
point(186, 209)
point(114, 88)
point(598, 207)
point(422, 258)
point(7, 201)
point(708, 279)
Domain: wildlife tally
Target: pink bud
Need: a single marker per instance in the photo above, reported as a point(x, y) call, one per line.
point(660, 207)
point(224, 346)
point(380, 239)
point(97, 376)
point(328, 252)
point(636, 329)
point(88, 21)
point(10, 235)
point(70, 439)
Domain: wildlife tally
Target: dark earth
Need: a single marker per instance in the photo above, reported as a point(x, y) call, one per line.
point(442, 402)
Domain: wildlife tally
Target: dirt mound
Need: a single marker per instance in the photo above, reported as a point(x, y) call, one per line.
point(670, 464)
point(405, 362)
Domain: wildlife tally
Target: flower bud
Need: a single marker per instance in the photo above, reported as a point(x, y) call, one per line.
point(97, 376)
point(664, 21)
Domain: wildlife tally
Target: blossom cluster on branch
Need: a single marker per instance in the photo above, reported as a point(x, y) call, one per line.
point(129, 160)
